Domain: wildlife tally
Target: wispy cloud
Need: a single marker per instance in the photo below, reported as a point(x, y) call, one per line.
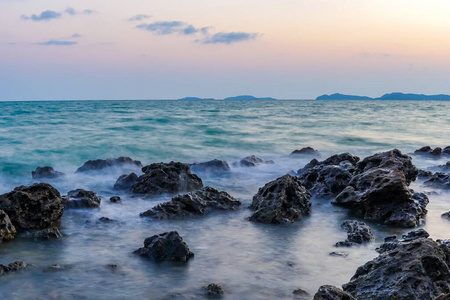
point(228, 38)
point(163, 28)
point(73, 12)
point(139, 18)
point(43, 16)
point(75, 36)
point(57, 43)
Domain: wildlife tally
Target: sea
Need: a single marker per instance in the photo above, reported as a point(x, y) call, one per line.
point(250, 260)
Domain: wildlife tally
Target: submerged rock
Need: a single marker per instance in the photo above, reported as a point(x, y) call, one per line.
point(283, 200)
point(446, 150)
point(99, 164)
point(424, 174)
point(446, 167)
point(338, 254)
point(81, 199)
point(126, 181)
point(439, 180)
point(115, 199)
point(194, 203)
point(46, 234)
point(415, 268)
point(329, 292)
point(170, 178)
point(446, 215)
point(213, 289)
point(46, 172)
point(33, 207)
point(15, 267)
point(253, 161)
point(7, 229)
point(214, 165)
point(427, 150)
point(306, 151)
point(358, 232)
point(167, 246)
point(300, 292)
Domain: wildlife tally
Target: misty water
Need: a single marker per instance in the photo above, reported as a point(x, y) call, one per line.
point(250, 260)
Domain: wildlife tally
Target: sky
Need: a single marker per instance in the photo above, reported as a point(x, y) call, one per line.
point(168, 49)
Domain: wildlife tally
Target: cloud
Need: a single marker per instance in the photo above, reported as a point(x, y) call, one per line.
point(228, 37)
point(44, 16)
point(73, 12)
point(190, 29)
point(138, 18)
point(75, 36)
point(163, 28)
point(58, 43)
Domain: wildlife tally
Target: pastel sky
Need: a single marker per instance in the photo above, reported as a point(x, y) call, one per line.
point(166, 49)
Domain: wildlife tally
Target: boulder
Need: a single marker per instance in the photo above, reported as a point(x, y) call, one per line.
point(166, 178)
point(427, 150)
point(46, 234)
point(194, 203)
point(126, 181)
point(306, 151)
point(7, 229)
point(424, 174)
point(15, 267)
point(214, 165)
point(99, 164)
point(81, 199)
point(439, 180)
point(167, 246)
point(33, 207)
point(115, 199)
point(446, 215)
point(446, 150)
point(46, 172)
point(410, 269)
point(329, 292)
point(358, 232)
point(283, 200)
point(253, 161)
point(213, 289)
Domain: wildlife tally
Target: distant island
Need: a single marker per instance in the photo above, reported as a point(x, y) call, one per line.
point(390, 96)
point(248, 97)
point(195, 98)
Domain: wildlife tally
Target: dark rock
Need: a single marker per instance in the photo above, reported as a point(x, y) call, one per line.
point(283, 200)
point(214, 165)
point(446, 150)
point(46, 234)
point(33, 207)
point(443, 297)
point(357, 232)
point(194, 203)
point(106, 220)
point(253, 161)
point(424, 174)
point(115, 199)
point(439, 180)
point(306, 151)
point(46, 173)
point(446, 215)
point(344, 244)
point(427, 150)
point(170, 178)
point(81, 199)
point(168, 246)
point(415, 234)
point(445, 168)
point(99, 164)
point(125, 182)
point(436, 151)
point(7, 229)
point(329, 292)
point(213, 289)
point(338, 253)
point(409, 269)
point(15, 267)
point(58, 268)
point(390, 238)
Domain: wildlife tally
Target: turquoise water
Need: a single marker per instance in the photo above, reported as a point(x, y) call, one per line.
point(251, 261)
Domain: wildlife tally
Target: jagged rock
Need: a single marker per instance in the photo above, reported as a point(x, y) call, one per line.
point(283, 200)
point(213, 289)
point(125, 182)
point(328, 178)
point(344, 244)
point(446, 167)
point(415, 268)
point(33, 207)
point(439, 180)
point(46, 172)
point(253, 161)
point(81, 199)
point(415, 234)
point(46, 234)
point(358, 232)
point(338, 253)
point(214, 165)
point(115, 199)
point(170, 178)
point(329, 292)
point(194, 203)
point(424, 174)
point(306, 151)
point(99, 164)
point(443, 297)
point(7, 229)
point(15, 267)
point(167, 246)
point(427, 150)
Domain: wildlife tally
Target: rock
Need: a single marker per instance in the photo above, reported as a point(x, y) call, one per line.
point(443, 297)
point(358, 232)
point(106, 220)
point(345, 243)
point(446, 215)
point(15, 267)
point(115, 199)
point(427, 150)
point(125, 182)
point(170, 178)
point(33, 207)
point(409, 269)
point(306, 151)
point(167, 246)
point(214, 165)
point(436, 151)
point(58, 268)
point(424, 174)
point(194, 203)
point(46, 234)
point(213, 289)
point(338, 253)
point(415, 234)
point(446, 150)
point(283, 200)
point(81, 199)
point(439, 180)
point(328, 178)
point(445, 168)
point(253, 161)
point(99, 164)
point(46, 173)
point(300, 292)
point(7, 229)
point(329, 292)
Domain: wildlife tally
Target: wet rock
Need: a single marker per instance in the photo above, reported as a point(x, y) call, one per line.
point(253, 161)
point(300, 292)
point(81, 199)
point(213, 289)
point(15, 267)
point(446, 150)
point(329, 292)
point(126, 181)
point(283, 200)
point(443, 297)
point(7, 229)
point(46, 234)
point(99, 164)
point(446, 215)
point(408, 269)
point(436, 151)
point(106, 220)
point(439, 180)
point(214, 165)
point(115, 199)
point(358, 232)
point(167, 246)
point(58, 268)
point(33, 207)
point(424, 174)
point(446, 167)
point(328, 178)
point(339, 254)
point(415, 234)
point(427, 150)
point(194, 203)
point(345, 243)
point(46, 172)
point(306, 151)
point(170, 178)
